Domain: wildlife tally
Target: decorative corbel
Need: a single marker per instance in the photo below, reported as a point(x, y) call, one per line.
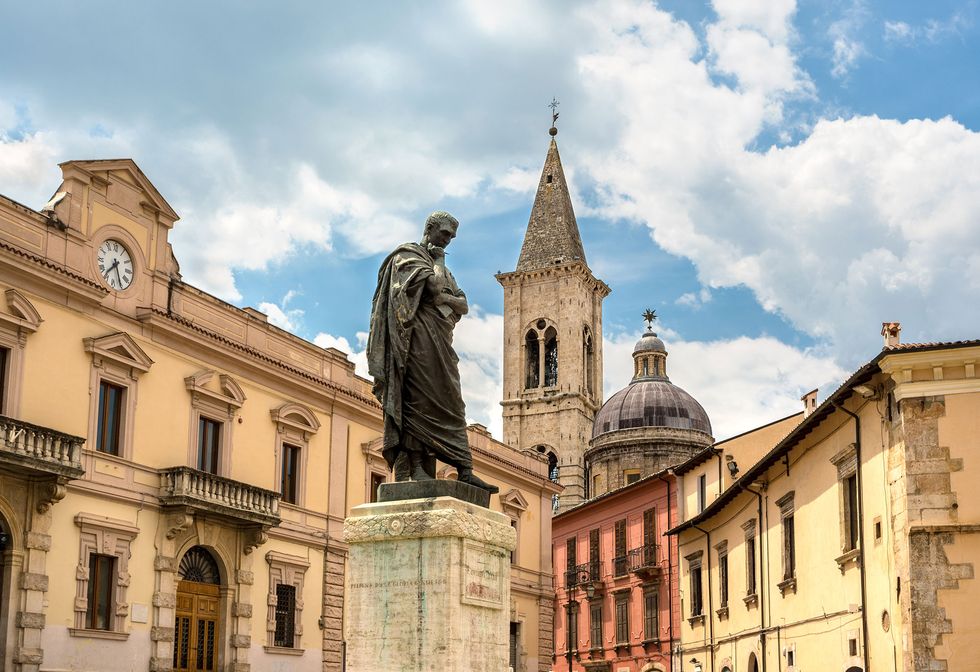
point(252, 538)
point(50, 493)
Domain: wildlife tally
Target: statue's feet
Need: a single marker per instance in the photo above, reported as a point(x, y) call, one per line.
point(467, 476)
point(419, 472)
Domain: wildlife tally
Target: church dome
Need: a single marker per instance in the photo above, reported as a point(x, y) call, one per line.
point(651, 403)
point(650, 342)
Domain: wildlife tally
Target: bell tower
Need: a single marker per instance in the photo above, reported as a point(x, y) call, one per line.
point(553, 336)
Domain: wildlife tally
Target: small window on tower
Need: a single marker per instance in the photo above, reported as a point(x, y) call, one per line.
point(549, 179)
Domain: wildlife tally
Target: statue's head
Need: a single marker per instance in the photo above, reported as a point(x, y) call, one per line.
point(440, 228)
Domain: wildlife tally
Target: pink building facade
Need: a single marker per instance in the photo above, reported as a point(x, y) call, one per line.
point(617, 604)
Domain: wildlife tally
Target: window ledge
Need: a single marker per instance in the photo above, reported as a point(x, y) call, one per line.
point(98, 634)
point(751, 600)
point(655, 641)
point(853, 555)
point(696, 620)
point(787, 586)
point(722, 613)
point(284, 651)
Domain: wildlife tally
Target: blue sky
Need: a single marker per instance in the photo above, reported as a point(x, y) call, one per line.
point(775, 178)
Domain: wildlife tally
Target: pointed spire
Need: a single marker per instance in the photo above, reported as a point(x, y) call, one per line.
point(552, 235)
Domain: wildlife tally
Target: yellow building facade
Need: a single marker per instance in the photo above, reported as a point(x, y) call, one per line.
point(175, 471)
point(850, 544)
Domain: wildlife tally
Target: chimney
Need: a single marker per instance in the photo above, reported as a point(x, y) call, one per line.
point(891, 330)
point(809, 402)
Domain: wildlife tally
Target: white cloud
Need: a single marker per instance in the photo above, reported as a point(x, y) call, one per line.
point(932, 31)
point(357, 355)
point(694, 300)
point(281, 315)
point(837, 233)
point(28, 169)
point(742, 383)
point(847, 47)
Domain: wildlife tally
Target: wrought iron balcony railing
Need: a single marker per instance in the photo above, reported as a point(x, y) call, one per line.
point(202, 490)
point(590, 572)
point(32, 448)
point(620, 565)
point(643, 560)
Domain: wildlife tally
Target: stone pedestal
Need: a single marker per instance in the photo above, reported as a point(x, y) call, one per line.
point(428, 587)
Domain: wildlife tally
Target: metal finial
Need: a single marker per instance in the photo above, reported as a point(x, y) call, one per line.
point(650, 316)
point(554, 116)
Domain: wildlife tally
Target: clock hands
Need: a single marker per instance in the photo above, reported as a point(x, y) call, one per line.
point(110, 269)
point(118, 278)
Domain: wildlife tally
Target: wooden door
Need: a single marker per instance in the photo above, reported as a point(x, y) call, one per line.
point(197, 627)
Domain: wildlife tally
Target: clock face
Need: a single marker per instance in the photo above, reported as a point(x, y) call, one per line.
point(115, 264)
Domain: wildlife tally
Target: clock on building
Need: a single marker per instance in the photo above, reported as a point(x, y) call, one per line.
point(115, 264)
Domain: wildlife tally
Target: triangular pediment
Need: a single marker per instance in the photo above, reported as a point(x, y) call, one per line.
point(513, 500)
point(121, 349)
point(125, 170)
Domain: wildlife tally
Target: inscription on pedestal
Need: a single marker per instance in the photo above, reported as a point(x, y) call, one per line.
point(482, 575)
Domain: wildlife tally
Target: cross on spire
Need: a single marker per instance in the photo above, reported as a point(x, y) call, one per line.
point(650, 316)
point(554, 115)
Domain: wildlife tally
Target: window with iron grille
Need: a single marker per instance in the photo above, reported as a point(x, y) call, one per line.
point(622, 619)
point(651, 606)
point(619, 562)
point(285, 616)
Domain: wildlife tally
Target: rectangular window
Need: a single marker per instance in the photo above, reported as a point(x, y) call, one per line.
point(649, 537)
point(4, 358)
point(109, 421)
point(101, 571)
point(651, 627)
point(570, 577)
point(571, 637)
point(702, 492)
point(208, 444)
point(619, 561)
point(750, 566)
point(595, 625)
point(789, 547)
point(285, 616)
point(851, 522)
point(289, 482)
point(622, 619)
point(723, 580)
point(696, 601)
point(594, 572)
point(513, 554)
point(376, 481)
point(631, 476)
point(515, 638)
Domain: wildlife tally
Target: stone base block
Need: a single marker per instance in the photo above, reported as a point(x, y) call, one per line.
point(437, 487)
point(428, 587)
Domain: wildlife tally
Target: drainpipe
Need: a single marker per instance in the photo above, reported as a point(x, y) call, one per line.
point(670, 574)
point(760, 586)
point(860, 503)
point(711, 621)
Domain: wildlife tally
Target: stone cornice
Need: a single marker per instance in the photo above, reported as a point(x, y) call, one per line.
point(576, 268)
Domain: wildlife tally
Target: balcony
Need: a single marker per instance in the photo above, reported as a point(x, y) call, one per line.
point(643, 561)
point(620, 565)
point(208, 493)
point(32, 450)
point(589, 573)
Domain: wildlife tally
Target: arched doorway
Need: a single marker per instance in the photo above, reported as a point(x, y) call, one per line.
point(854, 669)
point(6, 579)
point(753, 663)
point(197, 622)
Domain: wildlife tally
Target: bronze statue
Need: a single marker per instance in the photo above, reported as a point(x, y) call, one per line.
point(410, 355)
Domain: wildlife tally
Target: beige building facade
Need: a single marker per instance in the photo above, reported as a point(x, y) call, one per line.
point(175, 471)
point(851, 543)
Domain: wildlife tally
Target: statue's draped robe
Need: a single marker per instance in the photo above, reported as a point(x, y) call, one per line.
point(415, 369)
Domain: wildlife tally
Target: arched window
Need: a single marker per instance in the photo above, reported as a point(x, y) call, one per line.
point(589, 356)
point(532, 356)
point(550, 357)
